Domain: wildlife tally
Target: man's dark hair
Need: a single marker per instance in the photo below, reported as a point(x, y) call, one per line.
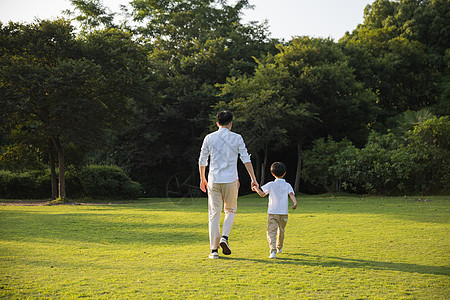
point(278, 169)
point(224, 117)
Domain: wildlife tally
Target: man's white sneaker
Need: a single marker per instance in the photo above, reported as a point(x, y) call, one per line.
point(280, 250)
point(225, 248)
point(214, 255)
point(272, 255)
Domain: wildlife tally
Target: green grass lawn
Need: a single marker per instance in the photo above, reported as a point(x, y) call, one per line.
point(335, 247)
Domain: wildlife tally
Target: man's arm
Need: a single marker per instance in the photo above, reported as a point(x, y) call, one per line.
point(203, 182)
point(245, 158)
point(251, 172)
point(202, 163)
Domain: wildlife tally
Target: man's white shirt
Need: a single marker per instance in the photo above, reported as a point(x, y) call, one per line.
point(223, 147)
point(278, 191)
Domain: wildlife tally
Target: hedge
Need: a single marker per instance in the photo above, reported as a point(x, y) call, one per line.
point(91, 181)
point(416, 162)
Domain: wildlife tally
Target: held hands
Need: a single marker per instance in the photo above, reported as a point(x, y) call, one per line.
point(254, 185)
point(256, 189)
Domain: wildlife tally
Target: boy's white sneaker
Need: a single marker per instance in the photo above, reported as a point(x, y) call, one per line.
point(280, 250)
point(272, 255)
point(214, 255)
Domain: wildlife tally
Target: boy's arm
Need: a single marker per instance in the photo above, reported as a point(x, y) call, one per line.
point(292, 196)
point(259, 191)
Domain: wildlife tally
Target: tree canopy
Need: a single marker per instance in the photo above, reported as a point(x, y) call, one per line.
point(68, 90)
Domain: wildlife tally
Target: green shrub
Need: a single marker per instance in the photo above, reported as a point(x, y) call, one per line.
point(91, 181)
point(43, 185)
point(430, 144)
point(107, 181)
point(20, 185)
point(415, 162)
point(74, 188)
point(318, 163)
point(370, 169)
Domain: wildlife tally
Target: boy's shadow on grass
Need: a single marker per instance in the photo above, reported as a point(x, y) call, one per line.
point(332, 261)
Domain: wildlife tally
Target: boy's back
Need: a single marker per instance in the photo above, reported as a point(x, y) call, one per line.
point(278, 192)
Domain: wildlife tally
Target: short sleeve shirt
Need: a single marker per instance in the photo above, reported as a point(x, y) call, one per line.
point(278, 191)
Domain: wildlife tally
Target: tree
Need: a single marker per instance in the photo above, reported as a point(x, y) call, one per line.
point(69, 89)
point(92, 14)
point(178, 21)
point(443, 105)
point(315, 90)
point(321, 78)
point(192, 45)
point(398, 52)
point(264, 112)
point(415, 20)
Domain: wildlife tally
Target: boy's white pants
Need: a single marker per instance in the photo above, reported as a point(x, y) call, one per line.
point(219, 194)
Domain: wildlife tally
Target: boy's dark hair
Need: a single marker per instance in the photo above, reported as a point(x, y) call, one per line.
point(278, 169)
point(224, 117)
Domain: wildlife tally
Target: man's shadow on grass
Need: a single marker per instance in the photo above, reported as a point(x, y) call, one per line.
point(332, 261)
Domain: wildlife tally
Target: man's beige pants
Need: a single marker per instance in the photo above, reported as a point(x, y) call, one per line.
point(275, 227)
point(219, 194)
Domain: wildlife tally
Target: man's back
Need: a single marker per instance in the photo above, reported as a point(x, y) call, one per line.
point(222, 147)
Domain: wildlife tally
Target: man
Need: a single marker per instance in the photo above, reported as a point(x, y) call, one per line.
point(222, 147)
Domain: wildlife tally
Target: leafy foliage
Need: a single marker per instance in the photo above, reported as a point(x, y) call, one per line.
point(24, 185)
point(107, 181)
point(399, 53)
point(319, 161)
point(304, 92)
point(416, 162)
point(68, 90)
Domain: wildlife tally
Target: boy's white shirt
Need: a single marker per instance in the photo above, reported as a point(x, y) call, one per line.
point(278, 192)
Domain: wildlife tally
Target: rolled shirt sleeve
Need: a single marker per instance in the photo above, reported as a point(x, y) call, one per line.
point(243, 153)
point(204, 154)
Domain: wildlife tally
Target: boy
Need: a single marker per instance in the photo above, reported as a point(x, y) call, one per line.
point(278, 191)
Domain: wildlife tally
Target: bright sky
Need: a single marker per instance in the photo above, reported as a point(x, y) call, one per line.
point(287, 18)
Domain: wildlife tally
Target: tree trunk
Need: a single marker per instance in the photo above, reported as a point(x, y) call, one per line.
point(54, 181)
point(299, 167)
point(263, 165)
point(257, 166)
point(61, 166)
